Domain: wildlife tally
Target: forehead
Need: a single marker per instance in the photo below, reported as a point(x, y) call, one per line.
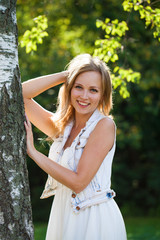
point(90, 78)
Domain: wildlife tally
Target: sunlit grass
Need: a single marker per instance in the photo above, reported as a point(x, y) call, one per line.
point(137, 229)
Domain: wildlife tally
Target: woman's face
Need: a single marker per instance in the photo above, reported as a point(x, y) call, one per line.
point(86, 92)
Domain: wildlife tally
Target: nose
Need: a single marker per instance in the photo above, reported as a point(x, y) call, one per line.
point(84, 94)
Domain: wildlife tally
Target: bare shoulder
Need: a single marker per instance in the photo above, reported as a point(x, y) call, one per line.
point(103, 135)
point(105, 125)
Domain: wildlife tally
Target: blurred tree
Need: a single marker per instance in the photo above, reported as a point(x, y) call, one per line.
point(15, 208)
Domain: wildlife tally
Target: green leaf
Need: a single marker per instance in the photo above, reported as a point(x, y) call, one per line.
point(35, 36)
point(124, 92)
point(107, 20)
point(116, 69)
point(99, 23)
point(108, 50)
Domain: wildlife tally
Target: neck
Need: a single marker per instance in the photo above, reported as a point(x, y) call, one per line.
point(81, 119)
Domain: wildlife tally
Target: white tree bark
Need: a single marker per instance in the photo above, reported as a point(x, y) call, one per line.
point(15, 208)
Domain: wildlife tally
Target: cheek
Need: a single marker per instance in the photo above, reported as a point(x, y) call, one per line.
point(96, 98)
point(73, 96)
point(74, 93)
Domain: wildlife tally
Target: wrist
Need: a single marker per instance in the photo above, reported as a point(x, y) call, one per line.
point(32, 152)
point(65, 75)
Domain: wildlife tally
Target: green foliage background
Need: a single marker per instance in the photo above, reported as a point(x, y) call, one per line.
point(72, 30)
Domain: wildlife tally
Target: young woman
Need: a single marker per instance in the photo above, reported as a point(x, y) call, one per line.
point(80, 158)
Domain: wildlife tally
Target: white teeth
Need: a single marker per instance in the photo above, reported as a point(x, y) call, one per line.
point(83, 104)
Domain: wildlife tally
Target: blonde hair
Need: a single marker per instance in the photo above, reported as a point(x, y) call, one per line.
point(79, 64)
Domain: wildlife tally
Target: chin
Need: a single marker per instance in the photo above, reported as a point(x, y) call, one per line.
point(84, 111)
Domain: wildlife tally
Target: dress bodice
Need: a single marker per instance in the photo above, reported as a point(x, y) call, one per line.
point(70, 157)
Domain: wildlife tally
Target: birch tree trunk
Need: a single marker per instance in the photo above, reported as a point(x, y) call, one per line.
point(15, 208)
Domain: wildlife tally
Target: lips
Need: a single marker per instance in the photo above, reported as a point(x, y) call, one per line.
point(83, 104)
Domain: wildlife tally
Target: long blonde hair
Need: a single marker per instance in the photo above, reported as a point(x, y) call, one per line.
point(79, 64)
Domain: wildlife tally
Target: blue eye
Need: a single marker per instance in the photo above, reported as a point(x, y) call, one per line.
point(94, 90)
point(79, 87)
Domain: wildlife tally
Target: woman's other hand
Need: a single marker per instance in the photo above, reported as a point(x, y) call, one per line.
point(29, 137)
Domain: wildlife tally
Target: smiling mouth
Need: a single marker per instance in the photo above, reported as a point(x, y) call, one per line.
point(83, 104)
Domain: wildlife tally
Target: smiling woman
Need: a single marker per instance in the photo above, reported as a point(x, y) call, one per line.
point(86, 93)
point(80, 158)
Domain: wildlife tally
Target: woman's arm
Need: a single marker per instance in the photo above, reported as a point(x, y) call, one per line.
point(34, 87)
point(93, 155)
point(39, 116)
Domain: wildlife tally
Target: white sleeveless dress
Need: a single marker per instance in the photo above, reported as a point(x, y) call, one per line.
point(98, 222)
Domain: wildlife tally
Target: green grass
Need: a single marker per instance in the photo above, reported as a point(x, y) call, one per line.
point(143, 228)
point(40, 231)
point(137, 229)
